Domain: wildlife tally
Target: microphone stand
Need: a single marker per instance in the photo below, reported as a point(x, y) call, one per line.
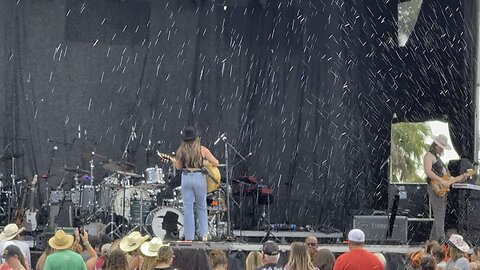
point(230, 235)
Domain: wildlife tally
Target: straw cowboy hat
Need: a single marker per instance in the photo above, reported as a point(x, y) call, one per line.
point(10, 231)
point(132, 241)
point(61, 240)
point(442, 141)
point(150, 248)
point(457, 241)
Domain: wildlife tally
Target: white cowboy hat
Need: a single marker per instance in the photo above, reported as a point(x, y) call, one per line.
point(442, 141)
point(10, 231)
point(132, 241)
point(61, 240)
point(150, 248)
point(457, 241)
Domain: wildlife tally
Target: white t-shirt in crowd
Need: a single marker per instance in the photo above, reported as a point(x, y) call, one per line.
point(24, 248)
point(460, 264)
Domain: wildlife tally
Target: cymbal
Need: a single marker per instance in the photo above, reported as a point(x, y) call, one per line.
point(116, 166)
point(131, 174)
point(9, 157)
point(91, 155)
point(76, 170)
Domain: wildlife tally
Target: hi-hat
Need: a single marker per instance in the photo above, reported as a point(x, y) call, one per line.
point(9, 157)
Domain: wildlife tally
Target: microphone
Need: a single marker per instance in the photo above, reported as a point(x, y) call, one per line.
point(219, 138)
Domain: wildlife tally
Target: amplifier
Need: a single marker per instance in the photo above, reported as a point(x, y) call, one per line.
point(376, 227)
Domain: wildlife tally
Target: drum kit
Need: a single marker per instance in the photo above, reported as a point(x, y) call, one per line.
point(128, 201)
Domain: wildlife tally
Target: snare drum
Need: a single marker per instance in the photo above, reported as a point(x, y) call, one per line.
point(130, 194)
point(154, 176)
point(166, 223)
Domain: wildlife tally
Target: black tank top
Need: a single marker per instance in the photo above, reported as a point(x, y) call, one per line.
point(437, 168)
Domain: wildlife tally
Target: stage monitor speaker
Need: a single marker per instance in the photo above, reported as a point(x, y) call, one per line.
point(419, 230)
point(376, 227)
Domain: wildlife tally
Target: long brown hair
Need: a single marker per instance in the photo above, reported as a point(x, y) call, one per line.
point(117, 260)
point(455, 253)
point(432, 149)
point(189, 153)
point(149, 263)
point(299, 258)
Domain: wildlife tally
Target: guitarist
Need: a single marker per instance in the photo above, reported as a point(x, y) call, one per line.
point(436, 172)
point(190, 157)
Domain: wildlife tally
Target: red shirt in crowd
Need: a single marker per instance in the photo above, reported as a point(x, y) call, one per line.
point(358, 259)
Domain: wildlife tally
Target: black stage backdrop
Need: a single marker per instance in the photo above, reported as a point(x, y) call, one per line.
point(308, 87)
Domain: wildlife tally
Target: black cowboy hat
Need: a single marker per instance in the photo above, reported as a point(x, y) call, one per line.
point(189, 133)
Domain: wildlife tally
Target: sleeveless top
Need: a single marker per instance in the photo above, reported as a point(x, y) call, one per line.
point(437, 168)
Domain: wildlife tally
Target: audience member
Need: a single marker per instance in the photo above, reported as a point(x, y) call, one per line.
point(149, 250)
point(475, 259)
point(218, 259)
point(14, 258)
point(104, 254)
point(130, 244)
point(10, 236)
point(117, 260)
point(312, 244)
point(165, 257)
point(382, 259)
point(429, 245)
point(254, 260)
point(457, 248)
point(325, 259)
point(270, 256)
point(414, 259)
point(299, 258)
point(63, 258)
point(41, 261)
point(81, 240)
point(438, 254)
point(428, 262)
point(357, 258)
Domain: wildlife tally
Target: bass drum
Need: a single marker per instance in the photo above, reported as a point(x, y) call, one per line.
point(131, 194)
point(166, 223)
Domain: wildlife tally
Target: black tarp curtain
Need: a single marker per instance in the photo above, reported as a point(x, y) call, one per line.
point(308, 87)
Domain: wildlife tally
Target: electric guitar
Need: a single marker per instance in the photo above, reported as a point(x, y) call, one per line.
point(30, 220)
point(440, 190)
point(213, 173)
point(20, 213)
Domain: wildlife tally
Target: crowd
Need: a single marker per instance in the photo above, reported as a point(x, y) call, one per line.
point(80, 251)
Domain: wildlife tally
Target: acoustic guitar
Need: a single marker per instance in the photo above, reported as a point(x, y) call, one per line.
point(440, 190)
point(212, 172)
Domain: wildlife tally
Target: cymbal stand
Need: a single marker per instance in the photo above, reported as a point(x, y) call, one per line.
point(113, 226)
point(14, 195)
point(94, 199)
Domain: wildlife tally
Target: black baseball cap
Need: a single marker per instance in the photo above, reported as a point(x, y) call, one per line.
point(11, 251)
point(270, 248)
